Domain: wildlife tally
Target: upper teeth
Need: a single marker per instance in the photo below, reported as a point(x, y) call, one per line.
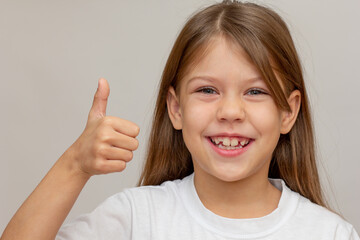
point(226, 141)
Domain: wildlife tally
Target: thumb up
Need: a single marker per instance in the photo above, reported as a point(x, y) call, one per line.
point(107, 143)
point(98, 109)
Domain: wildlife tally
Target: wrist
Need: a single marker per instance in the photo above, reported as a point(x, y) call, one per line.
point(70, 163)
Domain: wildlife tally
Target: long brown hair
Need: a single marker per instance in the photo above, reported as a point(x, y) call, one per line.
point(266, 39)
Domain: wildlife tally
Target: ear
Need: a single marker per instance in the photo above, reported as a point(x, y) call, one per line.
point(174, 111)
point(289, 118)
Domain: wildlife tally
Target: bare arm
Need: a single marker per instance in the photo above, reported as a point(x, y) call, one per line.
point(42, 214)
point(104, 147)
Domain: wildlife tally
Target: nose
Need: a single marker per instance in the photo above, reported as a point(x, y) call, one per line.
point(231, 109)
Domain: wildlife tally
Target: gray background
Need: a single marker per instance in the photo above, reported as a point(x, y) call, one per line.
point(53, 52)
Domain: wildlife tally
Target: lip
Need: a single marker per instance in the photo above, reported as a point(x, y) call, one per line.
point(228, 135)
point(232, 152)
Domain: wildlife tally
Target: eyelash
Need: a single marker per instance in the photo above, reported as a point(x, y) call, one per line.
point(206, 90)
point(209, 90)
point(259, 91)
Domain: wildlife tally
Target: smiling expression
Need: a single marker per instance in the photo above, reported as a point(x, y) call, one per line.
point(229, 121)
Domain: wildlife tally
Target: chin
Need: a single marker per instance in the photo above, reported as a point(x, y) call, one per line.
point(230, 176)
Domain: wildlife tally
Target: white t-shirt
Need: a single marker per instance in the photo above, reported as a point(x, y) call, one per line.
point(173, 210)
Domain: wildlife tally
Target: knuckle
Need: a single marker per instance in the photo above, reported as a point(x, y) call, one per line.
point(107, 120)
point(101, 151)
point(98, 166)
point(103, 136)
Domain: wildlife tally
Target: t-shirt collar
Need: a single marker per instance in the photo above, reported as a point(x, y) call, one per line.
point(245, 228)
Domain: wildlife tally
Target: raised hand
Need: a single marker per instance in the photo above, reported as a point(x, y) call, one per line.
point(105, 146)
point(107, 143)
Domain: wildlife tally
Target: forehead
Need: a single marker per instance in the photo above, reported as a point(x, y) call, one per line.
point(221, 58)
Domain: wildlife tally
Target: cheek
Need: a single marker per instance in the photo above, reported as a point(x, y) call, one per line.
point(266, 118)
point(195, 116)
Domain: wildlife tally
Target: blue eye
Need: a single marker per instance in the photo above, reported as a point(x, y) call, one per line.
point(207, 90)
point(255, 91)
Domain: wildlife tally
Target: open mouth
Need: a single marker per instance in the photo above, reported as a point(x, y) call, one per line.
point(230, 143)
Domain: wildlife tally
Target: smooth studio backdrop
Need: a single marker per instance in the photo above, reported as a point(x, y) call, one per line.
point(52, 54)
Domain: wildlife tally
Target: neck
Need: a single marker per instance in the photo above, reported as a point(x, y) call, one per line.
point(252, 197)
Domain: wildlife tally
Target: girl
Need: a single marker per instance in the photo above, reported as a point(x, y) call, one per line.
point(231, 152)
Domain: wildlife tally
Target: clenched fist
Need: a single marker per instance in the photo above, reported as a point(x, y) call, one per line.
point(107, 143)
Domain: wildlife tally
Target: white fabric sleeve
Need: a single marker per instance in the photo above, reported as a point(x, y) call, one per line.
point(354, 235)
point(112, 219)
point(345, 231)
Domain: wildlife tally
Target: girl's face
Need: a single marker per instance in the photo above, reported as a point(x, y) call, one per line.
point(229, 121)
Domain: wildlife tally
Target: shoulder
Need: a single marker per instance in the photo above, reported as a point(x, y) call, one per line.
point(316, 214)
point(320, 220)
point(129, 212)
point(145, 197)
point(166, 189)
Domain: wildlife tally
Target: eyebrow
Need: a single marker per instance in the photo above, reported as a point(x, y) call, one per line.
point(211, 79)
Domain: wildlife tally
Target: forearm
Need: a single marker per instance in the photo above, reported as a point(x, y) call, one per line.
point(104, 147)
point(44, 211)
